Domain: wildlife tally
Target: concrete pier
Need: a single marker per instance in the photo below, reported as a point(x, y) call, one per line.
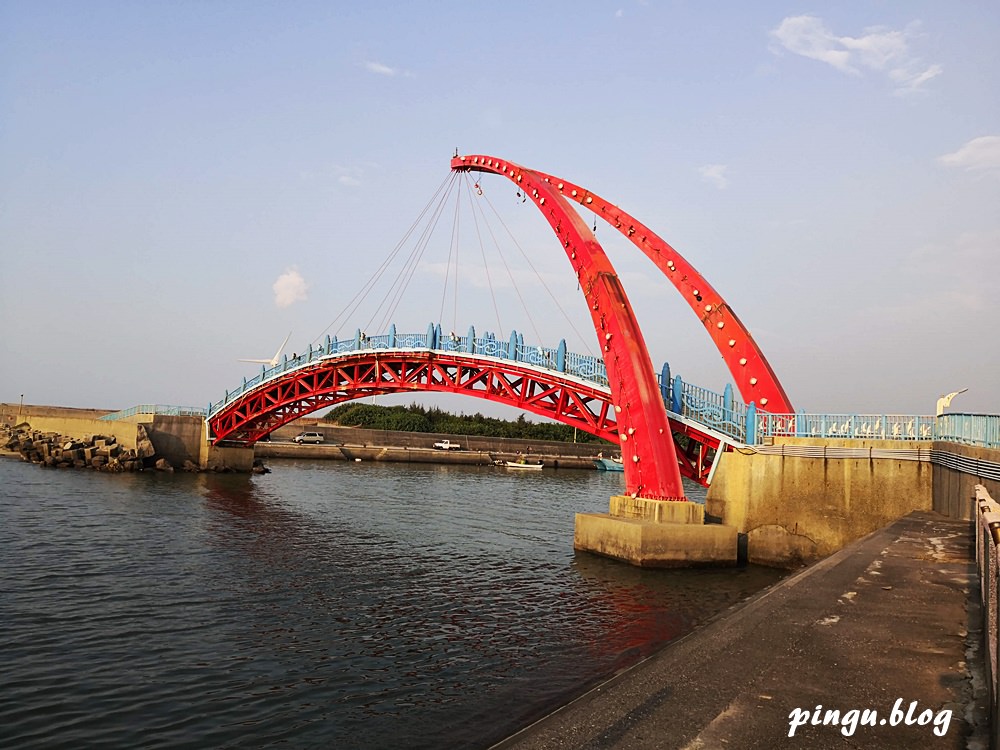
point(655, 534)
point(885, 619)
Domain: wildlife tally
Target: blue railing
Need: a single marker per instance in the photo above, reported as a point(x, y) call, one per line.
point(716, 410)
point(969, 429)
point(557, 359)
point(862, 426)
point(719, 411)
point(161, 409)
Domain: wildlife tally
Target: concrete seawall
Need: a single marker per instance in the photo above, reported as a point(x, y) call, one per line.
point(337, 434)
point(953, 488)
point(397, 454)
point(180, 439)
point(793, 508)
point(175, 439)
point(796, 509)
point(887, 618)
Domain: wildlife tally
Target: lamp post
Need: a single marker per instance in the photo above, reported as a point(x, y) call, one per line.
point(19, 407)
point(945, 401)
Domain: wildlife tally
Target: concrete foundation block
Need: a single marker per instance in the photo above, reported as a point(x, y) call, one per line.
point(658, 511)
point(236, 458)
point(650, 544)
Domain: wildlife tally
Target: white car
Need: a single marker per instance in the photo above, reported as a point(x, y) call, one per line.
point(308, 437)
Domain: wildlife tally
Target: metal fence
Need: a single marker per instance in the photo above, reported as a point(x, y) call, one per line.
point(969, 429)
point(987, 515)
point(862, 426)
point(740, 422)
point(161, 409)
point(557, 359)
point(981, 430)
point(718, 411)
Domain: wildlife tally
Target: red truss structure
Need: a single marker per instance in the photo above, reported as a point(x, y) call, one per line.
point(374, 372)
point(544, 392)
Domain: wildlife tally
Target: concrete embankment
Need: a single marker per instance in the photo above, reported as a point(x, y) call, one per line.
point(354, 443)
point(180, 441)
point(886, 622)
point(349, 452)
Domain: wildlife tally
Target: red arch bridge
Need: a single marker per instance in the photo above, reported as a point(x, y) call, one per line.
point(624, 402)
point(550, 382)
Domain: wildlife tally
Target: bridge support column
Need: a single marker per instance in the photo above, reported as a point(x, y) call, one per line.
point(656, 534)
point(236, 458)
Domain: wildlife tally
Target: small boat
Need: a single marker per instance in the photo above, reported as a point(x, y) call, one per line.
point(525, 465)
point(521, 463)
point(609, 464)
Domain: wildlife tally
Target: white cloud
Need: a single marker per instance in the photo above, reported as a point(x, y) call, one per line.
point(290, 288)
point(382, 69)
point(348, 176)
point(377, 67)
point(978, 154)
point(715, 174)
point(879, 49)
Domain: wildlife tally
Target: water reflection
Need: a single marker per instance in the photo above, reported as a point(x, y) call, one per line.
point(324, 604)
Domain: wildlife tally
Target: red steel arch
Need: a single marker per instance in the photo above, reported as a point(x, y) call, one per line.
point(373, 372)
point(547, 393)
point(648, 452)
point(751, 372)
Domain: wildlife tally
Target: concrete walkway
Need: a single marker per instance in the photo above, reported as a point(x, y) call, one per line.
point(881, 621)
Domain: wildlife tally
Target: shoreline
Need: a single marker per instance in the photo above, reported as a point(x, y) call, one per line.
point(807, 639)
point(340, 442)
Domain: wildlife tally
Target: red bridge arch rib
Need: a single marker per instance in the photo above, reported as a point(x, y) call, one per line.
point(332, 380)
point(651, 467)
point(335, 378)
point(750, 370)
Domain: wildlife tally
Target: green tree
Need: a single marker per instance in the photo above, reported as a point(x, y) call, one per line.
point(417, 418)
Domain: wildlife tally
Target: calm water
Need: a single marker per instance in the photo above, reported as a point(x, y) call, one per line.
point(327, 604)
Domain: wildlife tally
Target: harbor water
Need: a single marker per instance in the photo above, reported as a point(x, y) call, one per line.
point(326, 604)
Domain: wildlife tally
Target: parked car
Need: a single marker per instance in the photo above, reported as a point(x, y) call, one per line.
point(308, 437)
point(447, 445)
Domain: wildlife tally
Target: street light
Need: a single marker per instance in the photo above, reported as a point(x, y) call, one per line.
point(19, 407)
point(945, 401)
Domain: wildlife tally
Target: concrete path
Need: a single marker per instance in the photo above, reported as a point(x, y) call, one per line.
point(881, 626)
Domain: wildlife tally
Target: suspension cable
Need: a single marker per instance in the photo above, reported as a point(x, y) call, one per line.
point(432, 212)
point(452, 251)
point(482, 252)
point(365, 288)
point(527, 259)
point(402, 281)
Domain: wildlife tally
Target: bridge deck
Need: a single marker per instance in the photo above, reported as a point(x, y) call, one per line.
point(882, 619)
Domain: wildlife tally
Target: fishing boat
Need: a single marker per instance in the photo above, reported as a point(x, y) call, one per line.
point(520, 464)
point(609, 464)
point(525, 465)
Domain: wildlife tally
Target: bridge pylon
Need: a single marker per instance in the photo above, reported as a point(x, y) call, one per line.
point(639, 528)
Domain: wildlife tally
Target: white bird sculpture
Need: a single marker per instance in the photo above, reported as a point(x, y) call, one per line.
point(945, 401)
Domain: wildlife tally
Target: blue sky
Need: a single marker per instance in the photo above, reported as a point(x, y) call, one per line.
point(182, 184)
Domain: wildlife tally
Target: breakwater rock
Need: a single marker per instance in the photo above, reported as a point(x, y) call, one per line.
point(99, 452)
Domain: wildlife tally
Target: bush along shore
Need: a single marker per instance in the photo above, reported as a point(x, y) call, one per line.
point(96, 452)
